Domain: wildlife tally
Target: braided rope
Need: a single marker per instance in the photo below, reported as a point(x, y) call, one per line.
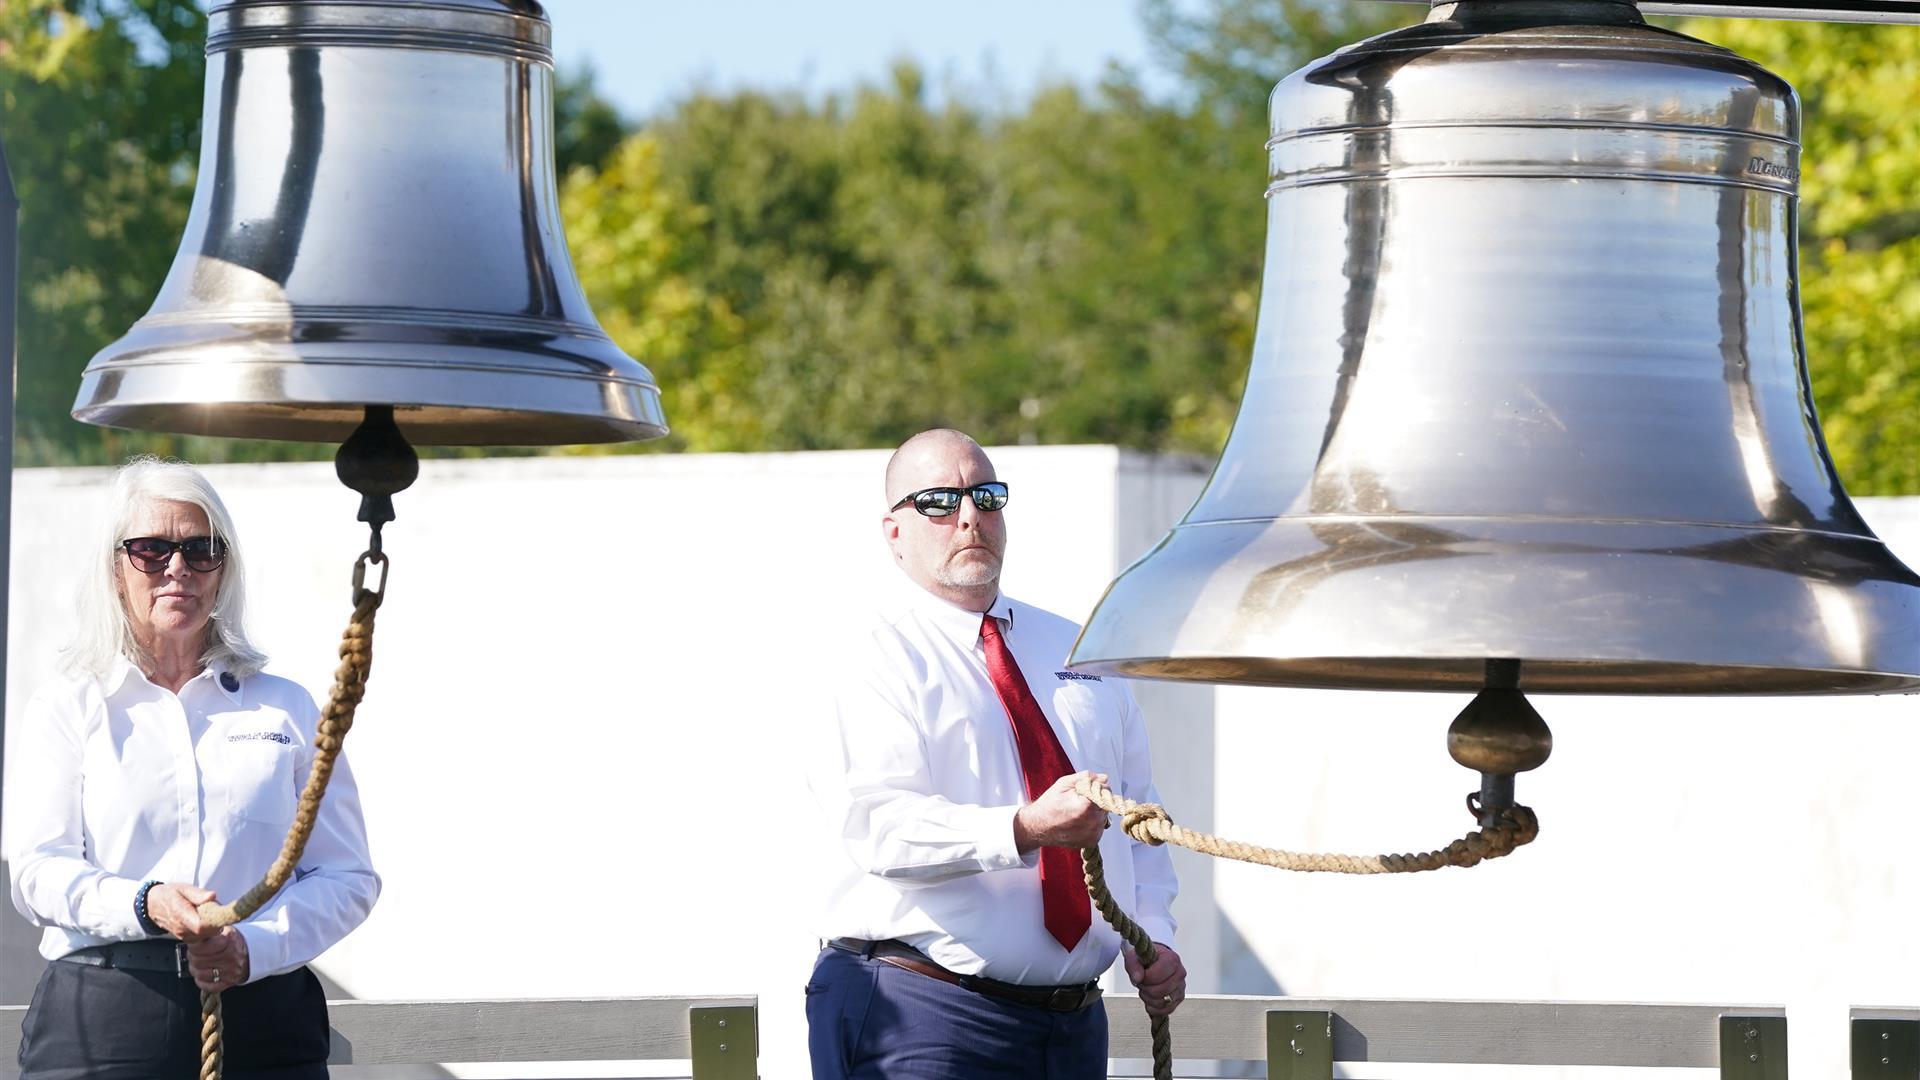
point(1149, 824)
point(1141, 944)
point(349, 686)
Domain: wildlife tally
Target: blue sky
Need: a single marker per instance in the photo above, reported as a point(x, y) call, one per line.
point(650, 52)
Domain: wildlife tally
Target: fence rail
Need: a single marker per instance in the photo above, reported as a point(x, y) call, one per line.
point(1299, 1038)
point(718, 1036)
point(1445, 1032)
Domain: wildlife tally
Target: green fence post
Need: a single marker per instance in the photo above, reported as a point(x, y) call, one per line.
point(1886, 1049)
point(726, 1043)
point(1753, 1048)
point(1299, 1045)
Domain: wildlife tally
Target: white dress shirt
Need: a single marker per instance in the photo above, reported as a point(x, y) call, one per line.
point(919, 778)
point(115, 783)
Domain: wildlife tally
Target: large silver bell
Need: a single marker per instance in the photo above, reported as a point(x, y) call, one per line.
point(376, 223)
point(1528, 385)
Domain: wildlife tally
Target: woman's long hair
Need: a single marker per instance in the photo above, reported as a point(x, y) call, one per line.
point(105, 634)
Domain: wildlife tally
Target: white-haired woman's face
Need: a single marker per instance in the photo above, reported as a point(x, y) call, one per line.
point(175, 602)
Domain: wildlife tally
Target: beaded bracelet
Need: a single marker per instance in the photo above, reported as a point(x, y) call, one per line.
point(140, 911)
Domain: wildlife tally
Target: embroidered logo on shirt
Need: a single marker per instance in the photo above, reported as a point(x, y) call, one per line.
point(256, 736)
point(1075, 675)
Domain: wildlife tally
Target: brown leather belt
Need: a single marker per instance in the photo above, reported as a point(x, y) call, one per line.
point(907, 958)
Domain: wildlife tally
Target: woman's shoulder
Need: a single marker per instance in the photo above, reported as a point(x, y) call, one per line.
point(66, 687)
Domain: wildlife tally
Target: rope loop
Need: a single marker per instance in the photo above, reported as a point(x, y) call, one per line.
point(1138, 820)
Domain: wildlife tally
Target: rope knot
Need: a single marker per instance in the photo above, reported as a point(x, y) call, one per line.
point(1138, 820)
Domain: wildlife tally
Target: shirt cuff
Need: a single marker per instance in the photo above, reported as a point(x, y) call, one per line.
point(995, 840)
point(1159, 931)
point(116, 896)
point(265, 955)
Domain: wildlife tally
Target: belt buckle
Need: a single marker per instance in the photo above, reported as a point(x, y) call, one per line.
point(1065, 998)
point(180, 961)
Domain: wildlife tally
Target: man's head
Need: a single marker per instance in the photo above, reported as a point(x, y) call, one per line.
point(955, 556)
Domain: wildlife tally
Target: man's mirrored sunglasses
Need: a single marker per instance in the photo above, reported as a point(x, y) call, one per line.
point(941, 501)
point(151, 554)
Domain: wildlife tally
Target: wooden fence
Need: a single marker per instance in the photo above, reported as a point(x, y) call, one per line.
point(1298, 1038)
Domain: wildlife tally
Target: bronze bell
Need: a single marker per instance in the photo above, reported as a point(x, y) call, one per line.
point(376, 224)
point(1528, 406)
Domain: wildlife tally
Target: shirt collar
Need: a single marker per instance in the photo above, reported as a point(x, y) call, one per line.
point(122, 668)
point(962, 623)
point(117, 675)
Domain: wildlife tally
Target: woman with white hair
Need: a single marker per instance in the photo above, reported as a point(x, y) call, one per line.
point(161, 771)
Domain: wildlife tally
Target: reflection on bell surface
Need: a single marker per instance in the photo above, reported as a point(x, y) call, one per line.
point(1528, 384)
point(376, 223)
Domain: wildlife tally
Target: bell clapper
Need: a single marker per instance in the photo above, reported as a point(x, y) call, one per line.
point(1498, 735)
point(378, 462)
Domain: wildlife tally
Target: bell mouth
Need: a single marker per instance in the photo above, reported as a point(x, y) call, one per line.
point(471, 381)
point(1409, 602)
point(1468, 674)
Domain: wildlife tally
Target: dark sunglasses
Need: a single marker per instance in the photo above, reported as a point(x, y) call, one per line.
point(941, 501)
point(151, 554)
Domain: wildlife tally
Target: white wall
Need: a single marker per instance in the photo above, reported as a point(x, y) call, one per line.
point(576, 756)
point(589, 673)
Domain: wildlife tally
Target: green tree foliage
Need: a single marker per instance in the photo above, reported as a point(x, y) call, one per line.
point(1084, 269)
point(1859, 233)
point(849, 238)
point(628, 234)
point(100, 107)
point(830, 273)
point(1229, 53)
point(587, 128)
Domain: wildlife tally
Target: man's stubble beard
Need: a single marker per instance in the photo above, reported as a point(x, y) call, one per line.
point(968, 576)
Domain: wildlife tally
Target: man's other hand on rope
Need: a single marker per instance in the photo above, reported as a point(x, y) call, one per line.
point(1163, 986)
point(1060, 817)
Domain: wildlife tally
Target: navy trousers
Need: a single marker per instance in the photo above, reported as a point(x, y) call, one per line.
point(95, 1023)
point(868, 1020)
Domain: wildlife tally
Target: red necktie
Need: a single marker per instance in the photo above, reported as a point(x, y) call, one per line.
point(1066, 908)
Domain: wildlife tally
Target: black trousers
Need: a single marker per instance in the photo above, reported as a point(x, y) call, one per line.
point(113, 1024)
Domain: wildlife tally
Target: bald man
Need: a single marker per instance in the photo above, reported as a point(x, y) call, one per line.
point(961, 942)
